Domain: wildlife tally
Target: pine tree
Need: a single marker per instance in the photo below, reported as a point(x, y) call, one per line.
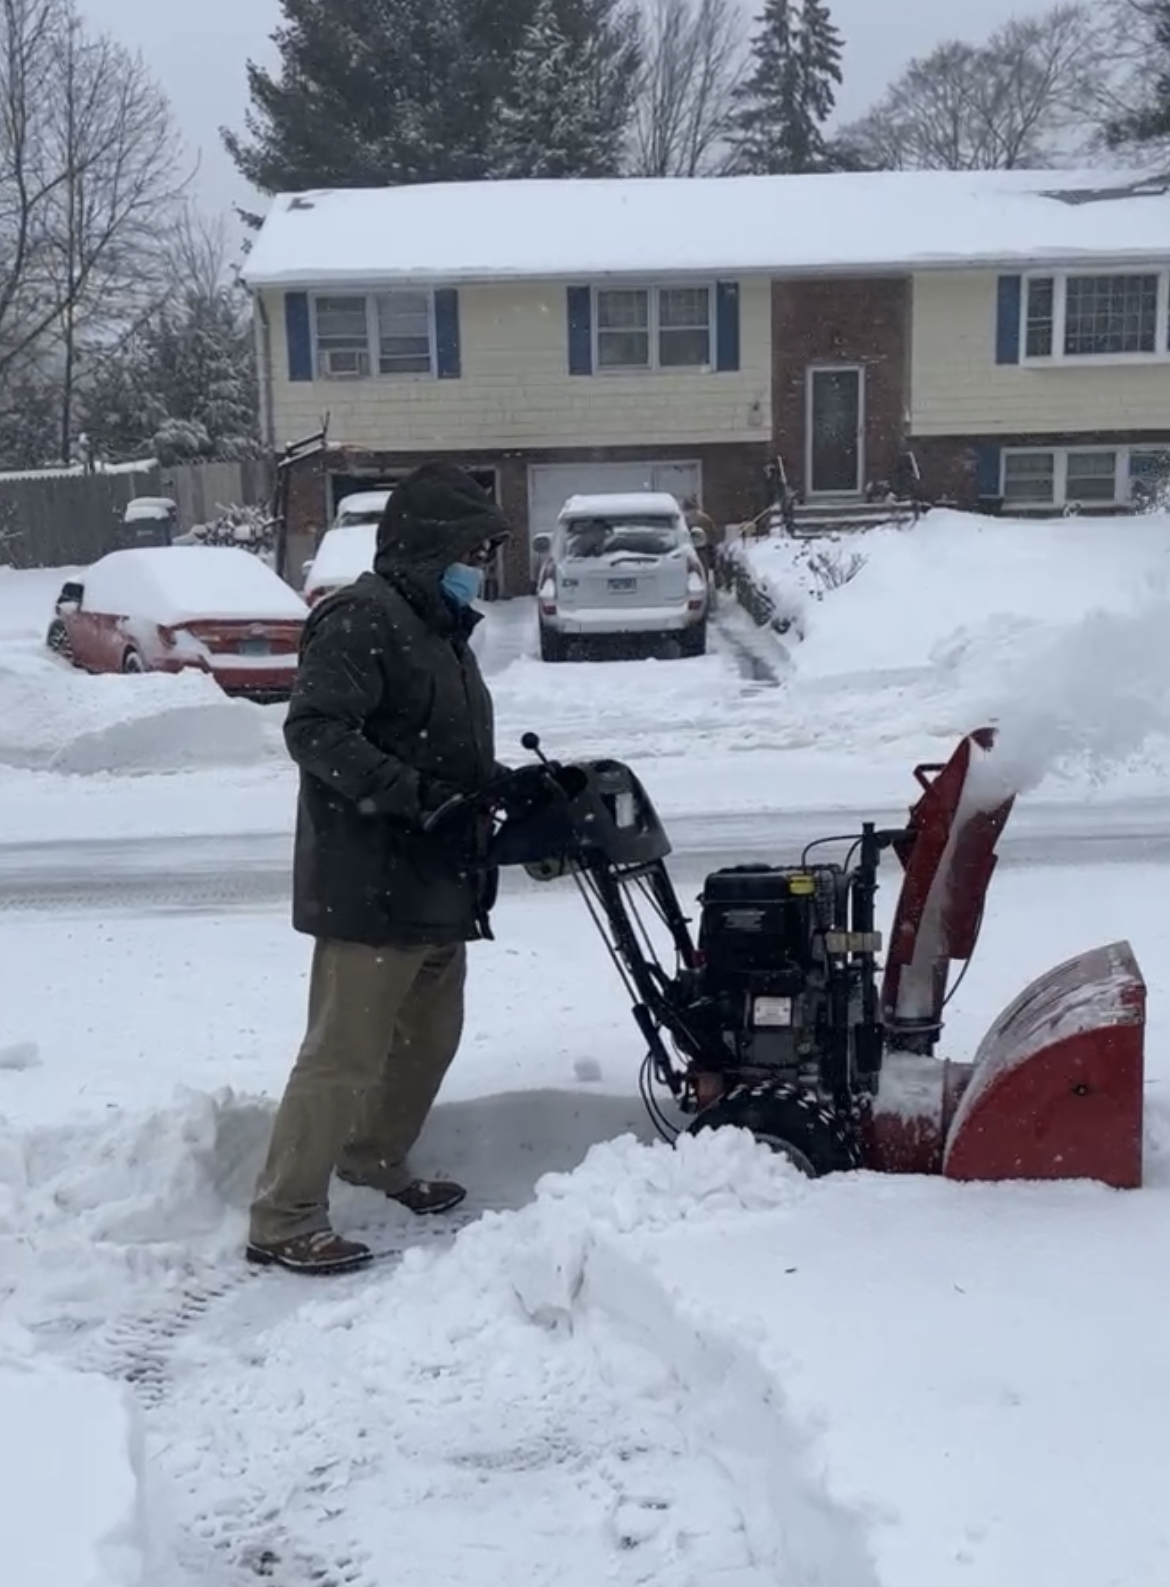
point(552, 120)
point(790, 92)
point(367, 93)
point(371, 93)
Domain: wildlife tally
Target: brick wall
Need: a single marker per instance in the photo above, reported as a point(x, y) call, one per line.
point(830, 320)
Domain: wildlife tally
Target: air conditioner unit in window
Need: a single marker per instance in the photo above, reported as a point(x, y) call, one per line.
point(345, 364)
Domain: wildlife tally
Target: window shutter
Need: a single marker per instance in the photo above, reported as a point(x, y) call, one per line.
point(298, 335)
point(727, 325)
point(580, 311)
point(1009, 298)
point(987, 469)
point(448, 357)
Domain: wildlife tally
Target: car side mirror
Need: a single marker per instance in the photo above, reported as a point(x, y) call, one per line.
point(542, 544)
point(69, 599)
point(698, 538)
point(306, 568)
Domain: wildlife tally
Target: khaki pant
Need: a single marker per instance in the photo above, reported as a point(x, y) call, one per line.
point(384, 1025)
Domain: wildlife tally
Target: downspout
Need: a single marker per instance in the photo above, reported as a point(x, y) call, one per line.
point(263, 333)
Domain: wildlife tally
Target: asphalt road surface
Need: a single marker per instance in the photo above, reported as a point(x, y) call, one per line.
point(251, 871)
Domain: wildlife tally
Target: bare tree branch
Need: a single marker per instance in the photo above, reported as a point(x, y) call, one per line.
point(89, 186)
point(1030, 96)
point(691, 52)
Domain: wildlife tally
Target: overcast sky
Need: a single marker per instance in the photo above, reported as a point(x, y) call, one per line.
point(199, 52)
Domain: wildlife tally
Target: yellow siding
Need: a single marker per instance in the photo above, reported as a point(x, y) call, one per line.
point(515, 389)
point(958, 388)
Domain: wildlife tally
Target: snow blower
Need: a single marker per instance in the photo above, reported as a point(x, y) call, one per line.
point(774, 1017)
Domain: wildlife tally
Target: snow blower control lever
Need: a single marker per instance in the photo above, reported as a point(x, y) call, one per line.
point(771, 1017)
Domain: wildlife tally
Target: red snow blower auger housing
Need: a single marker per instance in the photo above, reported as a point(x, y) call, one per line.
point(771, 1017)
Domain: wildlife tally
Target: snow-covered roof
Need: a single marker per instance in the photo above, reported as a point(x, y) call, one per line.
point(565, 230)
point(362, 504)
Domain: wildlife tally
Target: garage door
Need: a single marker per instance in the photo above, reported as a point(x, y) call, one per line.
point(551, 484)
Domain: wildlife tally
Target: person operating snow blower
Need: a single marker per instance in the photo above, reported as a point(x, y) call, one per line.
point(390, 720)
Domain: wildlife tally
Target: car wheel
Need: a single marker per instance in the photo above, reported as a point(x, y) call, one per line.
point(552, 645)
point(694, 641)
point(57, 640)
point(133, 662)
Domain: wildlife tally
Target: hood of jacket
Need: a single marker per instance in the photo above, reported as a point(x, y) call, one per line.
point(436, 516)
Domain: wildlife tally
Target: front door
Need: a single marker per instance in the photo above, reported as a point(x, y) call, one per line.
point(836, 422)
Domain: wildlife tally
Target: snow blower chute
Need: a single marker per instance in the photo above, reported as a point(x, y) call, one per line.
point(771, 1017)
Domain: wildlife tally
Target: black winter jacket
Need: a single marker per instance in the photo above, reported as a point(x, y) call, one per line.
point(389, 716)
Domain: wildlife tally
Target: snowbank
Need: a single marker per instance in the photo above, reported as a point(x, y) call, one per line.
point(70, 1461)
point(1058, 631)
point(57, 720)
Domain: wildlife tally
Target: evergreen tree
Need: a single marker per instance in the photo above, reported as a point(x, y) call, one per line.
point(373, 93)
point(554, 119)
point(185, 385)
point(790, 92)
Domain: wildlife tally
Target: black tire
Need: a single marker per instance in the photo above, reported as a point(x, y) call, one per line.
point(133, 662)
point(804, 1127)
point(552, 645)
point(57, 640)
point(694, 640)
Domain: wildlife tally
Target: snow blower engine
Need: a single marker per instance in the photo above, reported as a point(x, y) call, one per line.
point(775, 1016)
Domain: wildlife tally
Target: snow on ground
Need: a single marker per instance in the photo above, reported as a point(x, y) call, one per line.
point(1054, 629)
point(617, 1362)
point(669, 1368)
point(72, 1435)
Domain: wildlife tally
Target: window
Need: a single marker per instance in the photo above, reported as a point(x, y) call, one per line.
point(390, 334)
point(1091, 476)
point(404, 333)
point(343, 338)
point(1084, 476)
point(660, 328)
point(1096, 316)
point(1110, 314)
point(1038, 328)
point(684, 327)
point(1029, 478)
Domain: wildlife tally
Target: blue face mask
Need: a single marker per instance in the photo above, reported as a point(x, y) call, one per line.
point(461, 583)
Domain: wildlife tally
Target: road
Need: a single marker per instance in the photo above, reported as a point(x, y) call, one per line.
point(214, 874)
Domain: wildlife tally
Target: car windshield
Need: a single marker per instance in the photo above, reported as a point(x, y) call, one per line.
point(640, 536)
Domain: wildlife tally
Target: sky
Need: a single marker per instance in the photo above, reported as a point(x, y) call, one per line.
point(199, 54)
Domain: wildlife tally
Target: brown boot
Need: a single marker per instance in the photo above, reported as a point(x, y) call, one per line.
point(429, 1196)
point(321, 1253)
point(422, 1196)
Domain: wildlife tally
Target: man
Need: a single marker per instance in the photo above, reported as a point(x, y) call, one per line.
point(390, 719)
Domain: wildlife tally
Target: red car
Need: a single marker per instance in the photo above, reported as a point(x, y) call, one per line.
point(169, 608)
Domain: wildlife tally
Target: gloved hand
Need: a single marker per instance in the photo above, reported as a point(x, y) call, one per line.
point(433, 794)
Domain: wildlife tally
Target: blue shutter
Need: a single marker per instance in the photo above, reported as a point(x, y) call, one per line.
point(1009, 299)
point(580, 311)
point(987, 470)
point(727, 324)
point(299, 335)
point(448, 360)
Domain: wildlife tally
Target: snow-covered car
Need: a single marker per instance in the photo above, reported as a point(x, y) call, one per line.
point(347, 549)
point(621, 566)
point(170, 608)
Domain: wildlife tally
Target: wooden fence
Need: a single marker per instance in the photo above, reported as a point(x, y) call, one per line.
point(59, 519)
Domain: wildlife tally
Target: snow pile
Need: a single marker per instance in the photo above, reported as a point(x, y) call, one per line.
point(70, 1465)
point(55, 719)
point(1056, 631)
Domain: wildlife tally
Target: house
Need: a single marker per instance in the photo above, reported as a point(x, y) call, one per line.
point(1007, 334)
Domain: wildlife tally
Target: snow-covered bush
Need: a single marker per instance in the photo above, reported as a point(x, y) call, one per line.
point(248, 528)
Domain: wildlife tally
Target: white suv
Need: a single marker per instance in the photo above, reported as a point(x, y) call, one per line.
point(619, 566)
point(347, 549)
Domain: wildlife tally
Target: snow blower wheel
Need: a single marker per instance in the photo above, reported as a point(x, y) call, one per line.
point(798, 1125)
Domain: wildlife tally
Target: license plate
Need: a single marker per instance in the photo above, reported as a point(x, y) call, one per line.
point(255, 647)
point(624, 585)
